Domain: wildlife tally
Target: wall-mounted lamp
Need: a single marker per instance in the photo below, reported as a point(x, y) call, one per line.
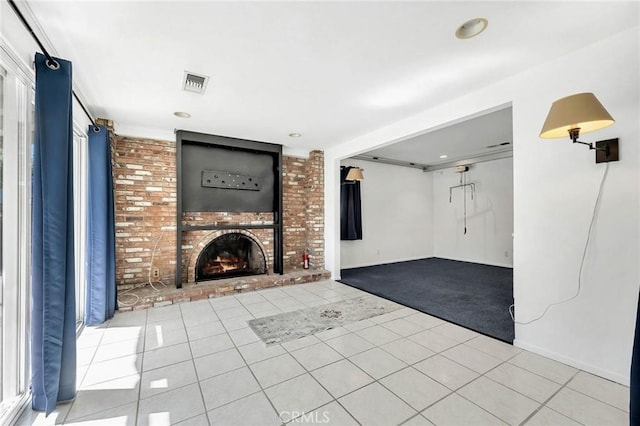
point(581, 113)
point(354, 174)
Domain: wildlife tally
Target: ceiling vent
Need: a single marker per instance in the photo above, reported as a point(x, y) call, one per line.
point(194, 83)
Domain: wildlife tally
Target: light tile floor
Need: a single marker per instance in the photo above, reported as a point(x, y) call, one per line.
point(198, 363)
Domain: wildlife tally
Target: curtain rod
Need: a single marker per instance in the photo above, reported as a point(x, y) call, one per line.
point(51, 63)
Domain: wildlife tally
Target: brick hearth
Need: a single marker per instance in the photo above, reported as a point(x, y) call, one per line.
point(146, 297)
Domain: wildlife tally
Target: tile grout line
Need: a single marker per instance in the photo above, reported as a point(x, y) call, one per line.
point(374, 379)
point(355, 365)
point(193, 363)
point(488, 378)
point(247, 366)
point(544, 403)
point(137, 354)
point(73, 401)
point(66, 418)
point(426, 375)
point(306, 371)
point(460, 343)
point(237, 347)
point(591, 396)
point(334, 399)
point(419, 412)
point(435, 380)
point(507, 361)
point(144, 346)
point(290, 353)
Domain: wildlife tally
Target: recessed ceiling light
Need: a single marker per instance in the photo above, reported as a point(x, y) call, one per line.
point(471, 28)
point(295, 135)
point(443, 156)
point(182, 114)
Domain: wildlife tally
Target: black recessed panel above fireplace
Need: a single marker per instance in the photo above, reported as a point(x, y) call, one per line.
point(219, 179)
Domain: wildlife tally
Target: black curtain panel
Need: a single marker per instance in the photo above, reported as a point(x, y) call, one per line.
point(634, 409)
point(350, 207)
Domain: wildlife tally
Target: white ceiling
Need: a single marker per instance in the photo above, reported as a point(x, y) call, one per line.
point(476, 136)
point(329, 70)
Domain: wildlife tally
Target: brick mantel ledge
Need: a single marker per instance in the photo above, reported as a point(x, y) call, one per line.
point(147, 297)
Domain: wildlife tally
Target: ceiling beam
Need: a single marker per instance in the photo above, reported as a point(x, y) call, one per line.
point(494, 155)
point(376, 159)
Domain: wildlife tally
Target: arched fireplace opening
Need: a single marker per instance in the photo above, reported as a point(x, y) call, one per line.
point(230, 255)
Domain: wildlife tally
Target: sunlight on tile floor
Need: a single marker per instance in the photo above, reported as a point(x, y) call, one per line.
point(199, 363)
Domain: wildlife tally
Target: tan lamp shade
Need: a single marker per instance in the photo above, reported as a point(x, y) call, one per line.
point(354, 173)
point(582, 111)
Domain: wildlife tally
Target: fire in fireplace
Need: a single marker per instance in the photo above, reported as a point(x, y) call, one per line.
point(230, 255)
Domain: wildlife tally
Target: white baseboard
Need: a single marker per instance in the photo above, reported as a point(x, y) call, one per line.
point(503, 265)
point(384, 262)
point(610, 375)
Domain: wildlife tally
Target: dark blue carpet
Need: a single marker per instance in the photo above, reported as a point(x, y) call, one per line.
point(472, 295)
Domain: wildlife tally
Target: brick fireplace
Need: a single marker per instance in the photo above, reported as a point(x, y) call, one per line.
point(145, 212)
point(230, 254)
point(194, 242)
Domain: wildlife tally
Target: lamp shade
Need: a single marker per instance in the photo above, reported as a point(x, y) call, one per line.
point(582, 111)
point(354, 174)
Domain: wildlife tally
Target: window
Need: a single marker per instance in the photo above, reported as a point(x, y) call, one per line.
point(16, 139)
point(1, 222)
point(17, 112)
point(80, 211)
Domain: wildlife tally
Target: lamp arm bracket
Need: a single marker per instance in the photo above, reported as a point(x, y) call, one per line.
point(590, 145)
point(593, 147)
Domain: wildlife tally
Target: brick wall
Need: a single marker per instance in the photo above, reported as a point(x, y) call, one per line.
point(303, 217)
point(314, 186)
point(145, 211)
point(145, 199)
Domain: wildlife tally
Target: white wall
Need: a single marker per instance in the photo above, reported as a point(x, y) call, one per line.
point(489, 215)
point(555, 185)
point(396, 216)
point(22, 48)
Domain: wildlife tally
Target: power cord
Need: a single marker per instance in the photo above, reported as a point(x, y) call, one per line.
point(126, 293)
point(153, 254)
point(151, 283)
point(584, 255)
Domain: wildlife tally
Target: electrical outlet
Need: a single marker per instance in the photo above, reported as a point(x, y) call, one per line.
point(378, 251)
point(155, 273)
point(506, 253)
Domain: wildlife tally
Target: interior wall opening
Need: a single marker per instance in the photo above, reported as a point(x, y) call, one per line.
point(437, 223)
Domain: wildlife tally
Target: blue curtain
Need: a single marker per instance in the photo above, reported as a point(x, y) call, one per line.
point(53, 309)
point(101, 283)
point(350, 207)
point(634, 409)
